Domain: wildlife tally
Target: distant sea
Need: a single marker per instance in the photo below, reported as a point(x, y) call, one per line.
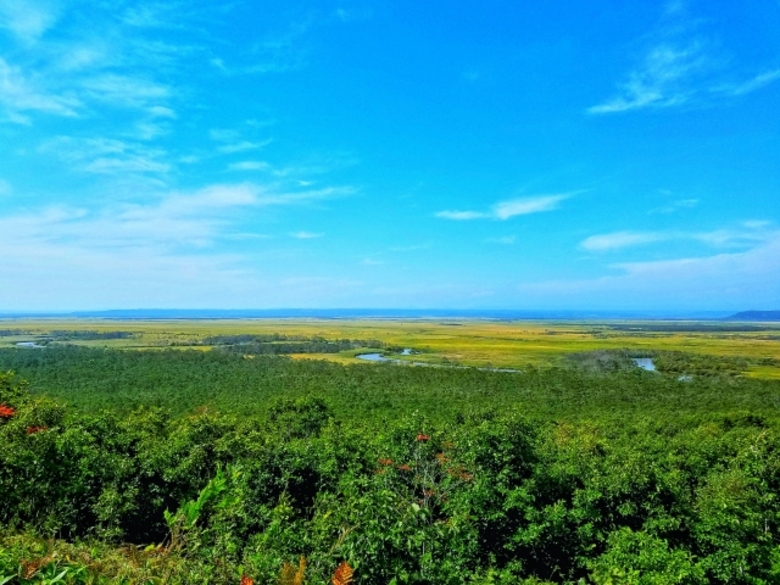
point(488, 314)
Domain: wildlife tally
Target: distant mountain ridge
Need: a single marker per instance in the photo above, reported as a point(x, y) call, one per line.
point(755, 316)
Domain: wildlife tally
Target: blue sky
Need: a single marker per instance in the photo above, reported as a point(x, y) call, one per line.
point(607, 155)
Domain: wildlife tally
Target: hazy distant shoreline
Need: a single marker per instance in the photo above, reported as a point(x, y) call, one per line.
point(358, 313)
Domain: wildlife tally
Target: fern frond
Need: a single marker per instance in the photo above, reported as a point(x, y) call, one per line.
point(343, 574)
point(299, 576)
point(292, 576)
point(287, 575)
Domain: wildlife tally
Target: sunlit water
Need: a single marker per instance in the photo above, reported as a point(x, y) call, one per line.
point(645, 364)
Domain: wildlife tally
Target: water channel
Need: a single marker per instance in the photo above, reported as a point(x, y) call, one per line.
point(378, 357)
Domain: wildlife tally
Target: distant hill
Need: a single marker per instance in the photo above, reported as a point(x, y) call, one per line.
point(755, 316)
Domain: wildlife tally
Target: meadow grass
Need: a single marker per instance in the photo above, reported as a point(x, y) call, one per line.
point(506, 344)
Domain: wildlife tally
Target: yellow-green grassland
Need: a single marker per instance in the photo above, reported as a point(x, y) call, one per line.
point(481, 343)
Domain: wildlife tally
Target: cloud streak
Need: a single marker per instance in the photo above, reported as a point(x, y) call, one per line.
point(243, 146)
point(661, 81)
point(169, 251)
point(173, 221)
point(505, 210)
point(619, 240)
point(678, 69)
point(749, 233)
point(20, 95)
point(758, 82)
point(27, 20)
point(708, 282)
point(675, 206)
point(108, 156)
point(70, 71)
point(303, 235)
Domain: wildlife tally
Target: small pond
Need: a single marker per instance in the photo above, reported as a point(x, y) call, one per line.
point(29, 344)
point(378, 357)
point(645, 363)
point(373, 357)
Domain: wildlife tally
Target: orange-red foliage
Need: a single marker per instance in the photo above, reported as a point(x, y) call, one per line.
point(343, 574)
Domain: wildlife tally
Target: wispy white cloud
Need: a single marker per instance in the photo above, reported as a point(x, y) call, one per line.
point(271, 197)
point(19, 95)
point(108, 156)
point(286, 49)
point(303, 235)
point(168, 223)
point(679, 68)
point(75, 57)
point(675, 206)
point(172, 250)
point(167, 228)
point(224, 134)
point(747, 234)
point(127, 90)
point(243, 146)
point(28, 20)
point(618, 240)
point(249, 165)
point(705, 282)
point(507, 209)
point(148, 130)
point(275, 53)
point(757, 224)
point(233, 141)
point(662, 80)
point(353, 13)
point(77, 70)
point(155, 15)
point(527, 205)
point(161, 112)
point(127, 164)
point(758, 82)
point(71, 273)
point(462, 215)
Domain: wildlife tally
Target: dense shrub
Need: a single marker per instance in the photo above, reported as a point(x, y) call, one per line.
point(542, 479)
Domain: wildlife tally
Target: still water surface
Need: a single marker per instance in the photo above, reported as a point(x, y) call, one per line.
point(645, 364)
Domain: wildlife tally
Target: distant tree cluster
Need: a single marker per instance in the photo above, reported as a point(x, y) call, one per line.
point(13, 332)
point(81, 335)
point(278, 344)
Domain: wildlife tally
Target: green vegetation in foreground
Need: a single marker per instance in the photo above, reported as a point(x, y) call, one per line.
point(203, 467)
